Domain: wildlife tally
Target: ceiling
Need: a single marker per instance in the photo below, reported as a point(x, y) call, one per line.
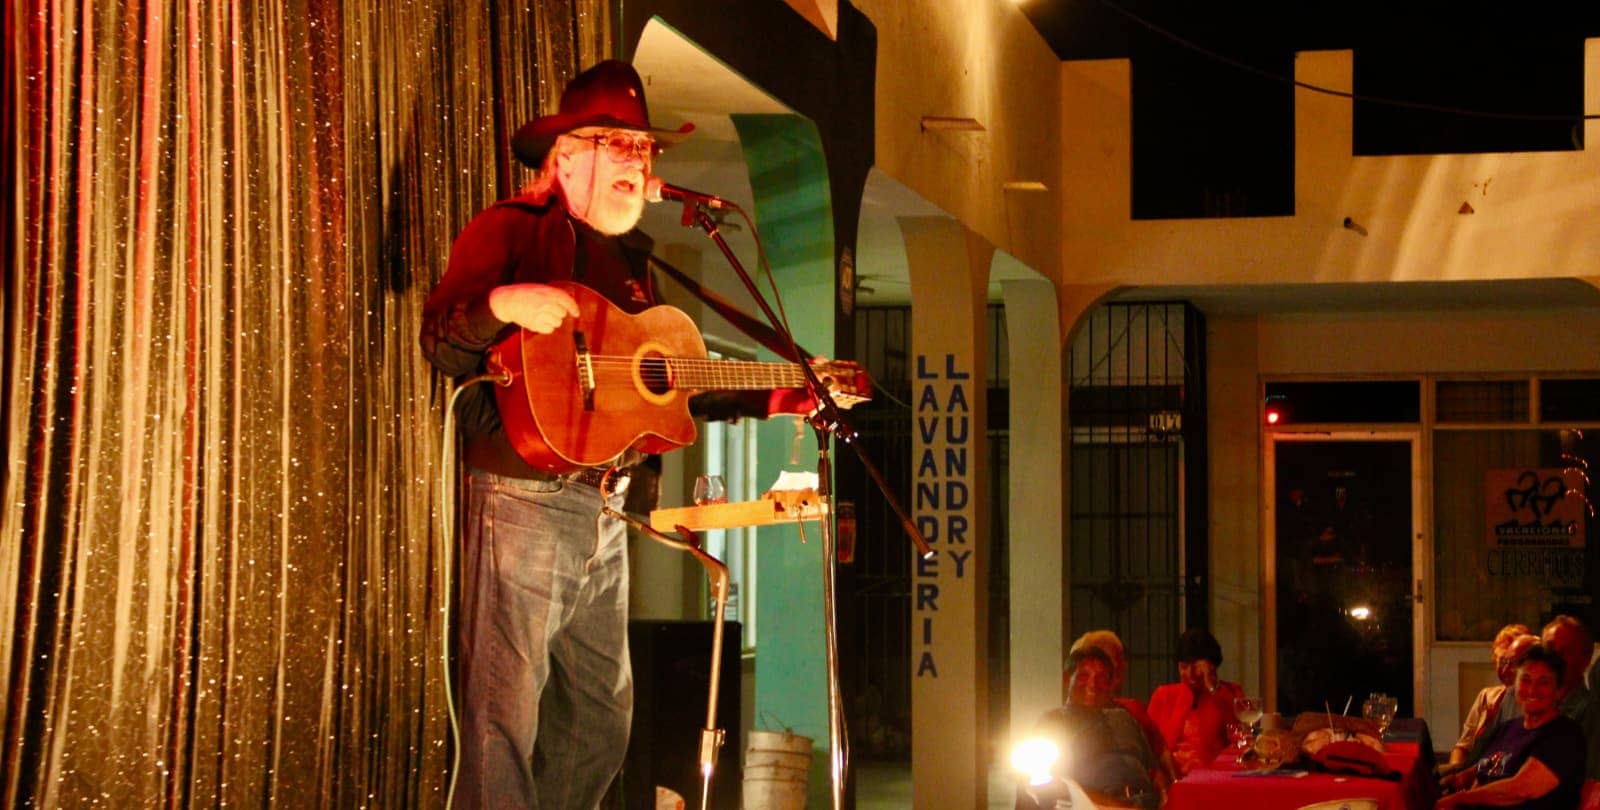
point(711, 160)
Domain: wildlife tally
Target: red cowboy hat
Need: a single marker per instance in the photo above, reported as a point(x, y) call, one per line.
point(609, 95)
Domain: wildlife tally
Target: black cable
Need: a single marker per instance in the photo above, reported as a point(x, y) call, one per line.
point(448, 478)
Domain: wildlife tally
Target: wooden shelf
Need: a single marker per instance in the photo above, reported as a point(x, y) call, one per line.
point(730, 515)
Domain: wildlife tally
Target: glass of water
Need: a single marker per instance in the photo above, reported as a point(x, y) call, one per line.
point(710, 489)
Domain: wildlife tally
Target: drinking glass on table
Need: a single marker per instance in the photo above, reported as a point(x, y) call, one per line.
point(1248, 711)
point(1239, 740)
point(1380, 708)
point(710, 489)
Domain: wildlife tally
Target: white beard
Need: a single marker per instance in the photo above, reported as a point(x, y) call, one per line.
point(592, 194)
point(614, 213)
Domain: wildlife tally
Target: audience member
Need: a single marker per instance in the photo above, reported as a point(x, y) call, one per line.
point(1193, 714)
point(1535, 762)
point(1109, 756)
point(1510, 644)
point(1107, 642)
point(1571, 640)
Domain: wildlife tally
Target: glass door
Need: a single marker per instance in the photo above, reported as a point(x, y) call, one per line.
point(1345, 530)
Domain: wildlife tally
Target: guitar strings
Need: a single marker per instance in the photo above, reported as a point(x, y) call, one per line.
point(658, 373)
point(662, 370)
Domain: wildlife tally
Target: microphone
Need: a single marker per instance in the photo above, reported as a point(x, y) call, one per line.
point(658, 190)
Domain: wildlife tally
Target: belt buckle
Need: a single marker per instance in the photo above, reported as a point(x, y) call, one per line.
point(596, 477)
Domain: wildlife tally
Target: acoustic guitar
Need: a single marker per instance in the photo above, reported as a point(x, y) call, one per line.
point(608, 381)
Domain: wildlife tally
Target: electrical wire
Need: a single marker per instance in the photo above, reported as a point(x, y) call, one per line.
point(447, 516)
point(1381, 100)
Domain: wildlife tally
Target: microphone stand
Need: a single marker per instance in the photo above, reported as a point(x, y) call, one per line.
point(826, 420)
point(711, 737)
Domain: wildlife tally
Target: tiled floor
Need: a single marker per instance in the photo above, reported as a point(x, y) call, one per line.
point(887, 786)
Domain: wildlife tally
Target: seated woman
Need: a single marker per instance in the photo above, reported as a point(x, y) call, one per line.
point(1104, 750)
point(1534, 762)
point(1109, 643)
point(1193, 713)
point(1510, 644)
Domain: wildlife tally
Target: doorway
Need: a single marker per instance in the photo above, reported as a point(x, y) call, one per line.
point(1344, 523)
point(1138, 556)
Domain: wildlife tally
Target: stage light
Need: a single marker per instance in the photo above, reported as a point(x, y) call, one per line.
point(1035, 757)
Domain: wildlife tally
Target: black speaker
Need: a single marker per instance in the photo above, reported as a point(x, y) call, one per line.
point(671, 675)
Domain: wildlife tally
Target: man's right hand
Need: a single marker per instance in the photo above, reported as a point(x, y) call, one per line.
point(537, 307)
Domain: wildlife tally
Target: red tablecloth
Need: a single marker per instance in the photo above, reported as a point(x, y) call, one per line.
point(1220, 787)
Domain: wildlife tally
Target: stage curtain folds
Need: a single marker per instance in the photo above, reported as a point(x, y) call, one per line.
point(220, 552)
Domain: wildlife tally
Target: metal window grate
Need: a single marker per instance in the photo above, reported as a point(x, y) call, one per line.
point(1137, 417)
point(1480, 401)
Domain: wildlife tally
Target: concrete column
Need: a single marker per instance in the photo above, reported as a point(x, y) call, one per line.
point(1238, 583)
point(1076, 301)
point(949, 270)
point(1037, 514)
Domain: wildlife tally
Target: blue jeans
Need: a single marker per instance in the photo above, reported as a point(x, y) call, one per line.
point(546, 686)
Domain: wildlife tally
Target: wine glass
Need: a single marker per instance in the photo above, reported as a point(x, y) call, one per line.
point(710, 489)
point(1380, 708)
point(1248, 711)
point(1239, 739)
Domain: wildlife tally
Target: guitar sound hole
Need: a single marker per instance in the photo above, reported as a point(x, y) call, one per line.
point(655, 375)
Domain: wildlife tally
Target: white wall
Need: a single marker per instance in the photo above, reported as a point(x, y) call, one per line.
point(1341, 343)
point(980, 60)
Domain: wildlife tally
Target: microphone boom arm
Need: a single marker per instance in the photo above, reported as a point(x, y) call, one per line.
point(825, 421)
point(827, 417)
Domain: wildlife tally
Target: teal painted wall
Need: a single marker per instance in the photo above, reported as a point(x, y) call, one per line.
point(788, 176)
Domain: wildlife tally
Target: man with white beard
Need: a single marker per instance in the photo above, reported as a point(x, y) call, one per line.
point(546, 687)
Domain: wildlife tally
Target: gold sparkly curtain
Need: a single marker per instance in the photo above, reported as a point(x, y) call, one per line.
point(220, 556)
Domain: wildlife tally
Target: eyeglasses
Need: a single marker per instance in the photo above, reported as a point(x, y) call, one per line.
point(622, 148)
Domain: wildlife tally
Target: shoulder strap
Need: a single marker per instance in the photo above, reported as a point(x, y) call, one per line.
point(743, 321)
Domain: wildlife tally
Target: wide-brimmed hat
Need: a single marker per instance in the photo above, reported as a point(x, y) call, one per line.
point(609, 95)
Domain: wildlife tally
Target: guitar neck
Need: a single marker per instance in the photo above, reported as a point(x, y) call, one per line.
point(733, 375)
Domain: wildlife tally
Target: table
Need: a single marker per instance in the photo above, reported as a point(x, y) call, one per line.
point(1408, 750)
point(761, 512)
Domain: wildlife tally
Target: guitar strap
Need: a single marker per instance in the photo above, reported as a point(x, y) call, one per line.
point(745, 322)
point(637, 243)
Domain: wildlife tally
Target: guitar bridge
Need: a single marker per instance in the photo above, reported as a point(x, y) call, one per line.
point(585, 362)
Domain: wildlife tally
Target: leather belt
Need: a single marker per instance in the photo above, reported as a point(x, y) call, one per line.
point(591, 476)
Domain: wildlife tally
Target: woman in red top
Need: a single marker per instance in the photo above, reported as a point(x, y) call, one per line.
point(1193, 713)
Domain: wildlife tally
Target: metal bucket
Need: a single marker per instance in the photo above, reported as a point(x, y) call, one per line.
point(777, 769)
